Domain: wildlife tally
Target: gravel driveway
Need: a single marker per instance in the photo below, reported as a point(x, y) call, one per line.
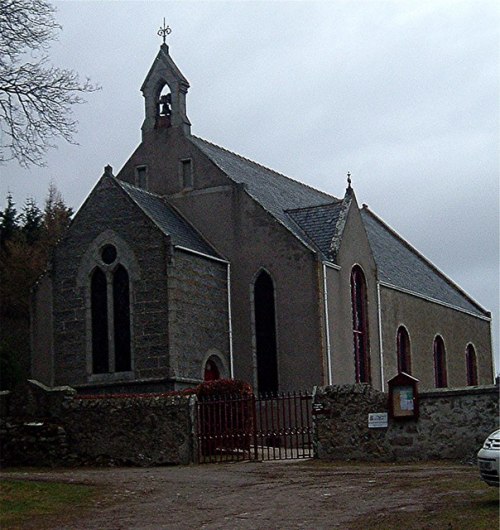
point(249, 495)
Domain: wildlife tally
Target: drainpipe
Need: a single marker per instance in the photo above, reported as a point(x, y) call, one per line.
point(381, 346)
point(327, 327)
point(230, 322)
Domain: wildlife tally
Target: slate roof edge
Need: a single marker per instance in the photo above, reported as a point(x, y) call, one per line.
point(338, 233)
point(302, 240)
point(123, 186)
point(202, 254)
point(433, 267)
point(433, 300)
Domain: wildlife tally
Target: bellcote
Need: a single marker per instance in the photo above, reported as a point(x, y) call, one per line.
point(164, 91)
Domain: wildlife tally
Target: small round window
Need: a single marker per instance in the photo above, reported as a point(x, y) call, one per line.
point(108, 254)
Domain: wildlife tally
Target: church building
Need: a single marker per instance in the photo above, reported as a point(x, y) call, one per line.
point(194, 263)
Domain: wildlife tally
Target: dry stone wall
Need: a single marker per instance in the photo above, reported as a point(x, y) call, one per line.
point(42, 426)
point(452, 424)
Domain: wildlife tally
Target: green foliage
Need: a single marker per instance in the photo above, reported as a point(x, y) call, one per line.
point(32, 219)
point(9, 219)
point(21, 501)
point(27, 242)
point(223, 387)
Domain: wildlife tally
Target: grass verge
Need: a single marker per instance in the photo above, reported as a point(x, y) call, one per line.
point(445, 504)
point(22, 500)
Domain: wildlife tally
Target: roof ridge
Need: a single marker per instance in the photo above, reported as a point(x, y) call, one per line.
point(427, 261)
point(265, 167)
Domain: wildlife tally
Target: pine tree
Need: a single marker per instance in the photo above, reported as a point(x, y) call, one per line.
point(32, 221)
point(27, 244)
point(56, 216)
point(9, 222)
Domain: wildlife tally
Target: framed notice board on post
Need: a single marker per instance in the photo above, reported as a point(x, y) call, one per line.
point(403, 397)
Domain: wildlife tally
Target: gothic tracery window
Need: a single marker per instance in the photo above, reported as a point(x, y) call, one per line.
point(110, 314)
point(360, 326)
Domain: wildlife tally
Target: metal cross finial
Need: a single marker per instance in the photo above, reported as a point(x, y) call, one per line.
point(164, 31)
point(349, 179)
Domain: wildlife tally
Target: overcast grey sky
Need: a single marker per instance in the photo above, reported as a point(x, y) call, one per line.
point(403, 94)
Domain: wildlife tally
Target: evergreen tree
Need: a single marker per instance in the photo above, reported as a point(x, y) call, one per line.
point(56, 216)
point(32, 221)
point(9, 219)
point(27, 244)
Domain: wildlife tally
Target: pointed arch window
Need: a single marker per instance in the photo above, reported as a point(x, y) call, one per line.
point(99, 310)
point(265, 334)
point(404, 352)
point(471, 362)
point(360, 326)
point(440, 375)
point(110, 314)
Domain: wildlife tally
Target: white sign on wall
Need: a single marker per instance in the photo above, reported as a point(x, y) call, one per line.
point(377, 420)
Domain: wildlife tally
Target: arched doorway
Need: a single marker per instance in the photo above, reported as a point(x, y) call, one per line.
point(265, 334)
point(211, 372)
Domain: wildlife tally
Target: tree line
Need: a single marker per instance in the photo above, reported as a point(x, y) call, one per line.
point(27, 240)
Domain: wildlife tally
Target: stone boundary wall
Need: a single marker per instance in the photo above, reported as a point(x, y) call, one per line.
point(452, 424)
point(49, 427)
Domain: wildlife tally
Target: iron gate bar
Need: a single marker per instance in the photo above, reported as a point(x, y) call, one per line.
point(268, 427)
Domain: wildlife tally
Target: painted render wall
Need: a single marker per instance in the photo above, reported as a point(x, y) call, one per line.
point(162, 153)
point(253, 240)
point(354, 249)
point(423, 320)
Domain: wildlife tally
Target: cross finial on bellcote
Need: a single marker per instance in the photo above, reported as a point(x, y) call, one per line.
point(164, 31)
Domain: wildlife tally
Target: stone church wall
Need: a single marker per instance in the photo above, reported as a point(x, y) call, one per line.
point(198, 317)
point(110, 218)
point(424, 320)
point(453, 424)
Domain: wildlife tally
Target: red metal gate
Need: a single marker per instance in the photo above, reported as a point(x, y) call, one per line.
point(254, 428)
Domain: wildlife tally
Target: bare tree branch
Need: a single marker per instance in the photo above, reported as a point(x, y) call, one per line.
point(36, 98)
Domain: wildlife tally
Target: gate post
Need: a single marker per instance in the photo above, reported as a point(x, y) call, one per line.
point(254, 427)
point(193, 420)
point(315, 440)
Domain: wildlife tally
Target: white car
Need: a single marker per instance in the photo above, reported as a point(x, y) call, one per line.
point(488, 459)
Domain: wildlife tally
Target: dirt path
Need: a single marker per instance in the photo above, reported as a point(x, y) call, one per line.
point(272, 495)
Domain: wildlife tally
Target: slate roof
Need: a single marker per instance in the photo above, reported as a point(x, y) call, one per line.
point(168, 220)
point(313, 216)
point(399, 264)
point(275, 192)
point(318, 224)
